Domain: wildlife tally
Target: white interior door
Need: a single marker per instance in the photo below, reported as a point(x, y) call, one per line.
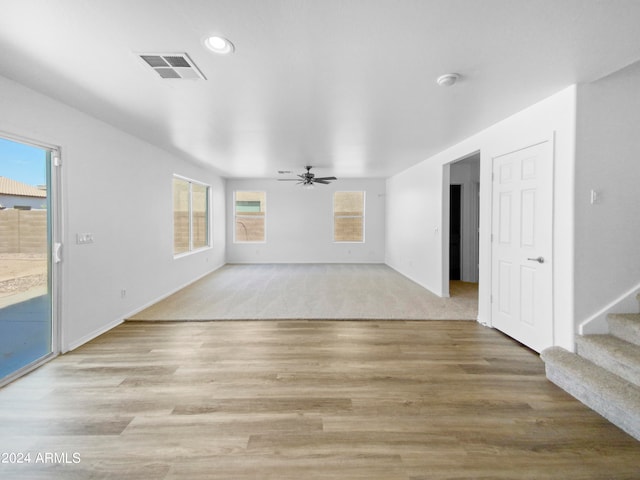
point(522, 235)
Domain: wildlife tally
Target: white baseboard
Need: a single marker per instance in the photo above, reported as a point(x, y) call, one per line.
point(119, 321)
point(413, 280)
point(90, 336)
point(597, 323)
point(175, 290)
point(273, 262)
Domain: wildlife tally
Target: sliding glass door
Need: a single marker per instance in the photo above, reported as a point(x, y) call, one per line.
point(26, 273)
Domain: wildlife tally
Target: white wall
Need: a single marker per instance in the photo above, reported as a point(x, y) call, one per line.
point(299, 225)
point(120, 189)
point(607, 252)
point(415, 205)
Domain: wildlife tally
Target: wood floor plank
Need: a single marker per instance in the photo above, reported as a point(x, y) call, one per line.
point(392, 400)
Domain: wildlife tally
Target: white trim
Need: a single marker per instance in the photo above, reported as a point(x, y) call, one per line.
point(209, 244)
point(29, 141)
point(191, 252)
point(104, 329)
point(57, 238)
point(313, 262)
point(412, 279)
point(625, 303)
point(445, 222)
point(409, 277)
point(190, 180)
point(90, 336)
point(171, 292)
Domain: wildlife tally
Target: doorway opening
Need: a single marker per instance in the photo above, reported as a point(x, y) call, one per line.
point(28, 280)
point(455, 227)
point(462, 216)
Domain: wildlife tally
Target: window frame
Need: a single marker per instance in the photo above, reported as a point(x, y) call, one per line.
point(235, 216)
point(363, 216)
point(208, 244)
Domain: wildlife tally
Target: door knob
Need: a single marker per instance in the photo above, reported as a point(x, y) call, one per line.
point(539, 259)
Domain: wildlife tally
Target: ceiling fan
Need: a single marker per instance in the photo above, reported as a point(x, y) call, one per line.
point(308, 178)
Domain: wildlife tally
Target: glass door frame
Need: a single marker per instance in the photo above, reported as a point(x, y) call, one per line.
point(54, 243)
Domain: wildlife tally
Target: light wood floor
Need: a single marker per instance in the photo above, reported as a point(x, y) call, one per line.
point(305, 400)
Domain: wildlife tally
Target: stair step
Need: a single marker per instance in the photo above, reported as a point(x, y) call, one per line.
point(613, 354)
point(612, 397)
point(625, 326)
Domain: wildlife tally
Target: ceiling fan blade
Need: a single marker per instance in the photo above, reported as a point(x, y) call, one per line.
point(325, 178)
point(324, 182)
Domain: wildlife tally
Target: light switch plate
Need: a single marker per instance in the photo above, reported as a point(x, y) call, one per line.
point(84, 238)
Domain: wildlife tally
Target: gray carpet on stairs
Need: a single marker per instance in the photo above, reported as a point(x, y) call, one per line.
point(612, 397)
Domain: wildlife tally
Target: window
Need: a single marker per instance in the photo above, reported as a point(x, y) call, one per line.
point(250, 212)
point(190, 215)
point(348, 217)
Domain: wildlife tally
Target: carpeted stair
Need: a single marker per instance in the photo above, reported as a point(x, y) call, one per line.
point(604, 374)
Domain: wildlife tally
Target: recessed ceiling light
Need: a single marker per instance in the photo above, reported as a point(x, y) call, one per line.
point(219, 45)
point(448, 79)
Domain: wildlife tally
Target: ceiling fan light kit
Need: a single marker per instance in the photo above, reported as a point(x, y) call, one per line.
point(308, 179)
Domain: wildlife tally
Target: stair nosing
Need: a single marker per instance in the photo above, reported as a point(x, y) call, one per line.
point(613, 381)
point(602, 391)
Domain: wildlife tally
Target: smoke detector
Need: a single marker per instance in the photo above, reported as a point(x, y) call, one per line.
point(172, 65)
point(448, 79)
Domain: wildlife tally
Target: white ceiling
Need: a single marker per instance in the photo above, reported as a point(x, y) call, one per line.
point(345, 85)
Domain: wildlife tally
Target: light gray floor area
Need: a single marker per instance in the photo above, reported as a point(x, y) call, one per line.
point(312, 291)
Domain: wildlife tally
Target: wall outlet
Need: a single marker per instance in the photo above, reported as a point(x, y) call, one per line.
point(123, 293)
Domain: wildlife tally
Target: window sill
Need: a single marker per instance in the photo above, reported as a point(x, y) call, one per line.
point(192, 252)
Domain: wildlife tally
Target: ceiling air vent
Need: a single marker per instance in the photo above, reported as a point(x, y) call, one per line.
point(172, 65)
